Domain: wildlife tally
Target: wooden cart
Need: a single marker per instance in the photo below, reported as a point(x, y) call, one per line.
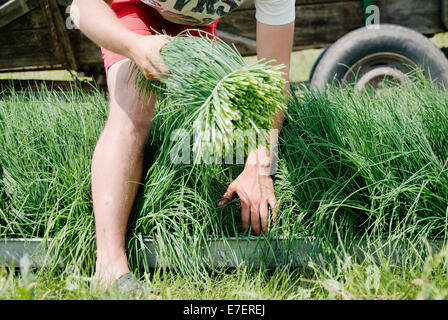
point(39, 35)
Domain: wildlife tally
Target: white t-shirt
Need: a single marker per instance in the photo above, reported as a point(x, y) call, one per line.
point(201, 12)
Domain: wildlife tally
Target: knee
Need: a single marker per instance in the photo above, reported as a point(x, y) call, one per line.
point(129, 111)
point(134, 120)
point(140, 117)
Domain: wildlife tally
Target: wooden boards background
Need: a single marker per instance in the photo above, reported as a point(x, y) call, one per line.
point(26, 41)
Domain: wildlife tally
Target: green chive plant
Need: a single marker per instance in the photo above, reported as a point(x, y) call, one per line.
point(213, 94)
point(352, 166)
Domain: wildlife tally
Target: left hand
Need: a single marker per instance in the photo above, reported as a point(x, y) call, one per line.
point(255, 189)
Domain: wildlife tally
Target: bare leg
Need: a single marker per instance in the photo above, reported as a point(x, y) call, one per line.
point(117, 170)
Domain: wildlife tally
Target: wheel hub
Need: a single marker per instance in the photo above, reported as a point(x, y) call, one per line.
point(377, 69)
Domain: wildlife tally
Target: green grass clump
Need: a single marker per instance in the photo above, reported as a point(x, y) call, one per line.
point(352, 165)
point(212, 93)
point(369, 165)
point(47, 140)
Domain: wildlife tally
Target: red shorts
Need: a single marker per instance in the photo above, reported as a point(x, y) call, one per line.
point(143, 19)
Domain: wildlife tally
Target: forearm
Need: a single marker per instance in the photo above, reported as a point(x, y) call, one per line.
point(100, 24)
point(254, 185)
point(273, 42)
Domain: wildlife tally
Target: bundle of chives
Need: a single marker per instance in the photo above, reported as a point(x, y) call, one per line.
point(213, 94)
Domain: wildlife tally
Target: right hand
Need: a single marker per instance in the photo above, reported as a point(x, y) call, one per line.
point(145, 52)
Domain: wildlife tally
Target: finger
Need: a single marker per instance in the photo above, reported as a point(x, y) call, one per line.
point(228, 195)
point(165, 39)
point(160, 65)
point(255, 219)
point(273, 204)
point(151, 73)
point(245, 214)
point(264, 216)
point(163, 68)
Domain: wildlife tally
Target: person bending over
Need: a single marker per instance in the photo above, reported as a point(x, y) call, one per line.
point(124, 29)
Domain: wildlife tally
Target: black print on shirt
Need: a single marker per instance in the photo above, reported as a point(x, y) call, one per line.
point(209, 5)
point(180, 4)
point(208, 10)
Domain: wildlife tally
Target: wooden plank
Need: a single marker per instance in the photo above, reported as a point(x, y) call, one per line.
point(319, 24)
point(65, 2)
point(322, 24)
point(58, 32)
point(30, 21)
point(34, 48)
point(316, 25)
point(86, 52)
point(445, 13)
point(423, 16)
point(27, 39)
point(13, 9)
point(26, 48)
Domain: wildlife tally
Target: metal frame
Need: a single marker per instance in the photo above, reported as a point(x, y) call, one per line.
point(226, 252)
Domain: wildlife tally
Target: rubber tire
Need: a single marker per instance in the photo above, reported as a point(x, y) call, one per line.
point(316, 63)
point(362, 42)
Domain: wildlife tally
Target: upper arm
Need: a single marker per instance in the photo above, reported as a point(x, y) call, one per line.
point(275, 12)
point(275, 29)
point(275, 42)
